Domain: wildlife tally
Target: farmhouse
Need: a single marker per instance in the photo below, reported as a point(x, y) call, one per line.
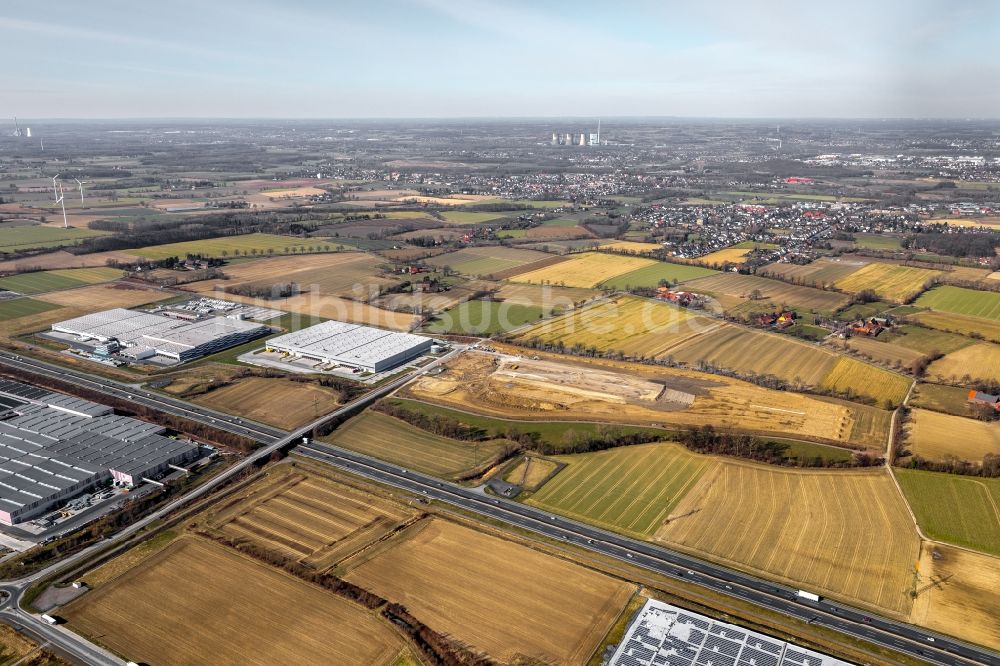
point(870, 328)
point(782, 319)
point(54, 446)
point(363, 347)
point(683, 298)
point(980, 398)
point(147, 334)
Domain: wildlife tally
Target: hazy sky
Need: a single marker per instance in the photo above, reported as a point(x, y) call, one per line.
point(417, 58)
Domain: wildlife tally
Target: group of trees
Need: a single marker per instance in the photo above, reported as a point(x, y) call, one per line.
point(967, 244)
point(265, 291)
point(989, 467)
point(706, 439)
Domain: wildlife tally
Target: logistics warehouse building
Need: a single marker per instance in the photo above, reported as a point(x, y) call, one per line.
point(146, 334)
point(55, 446)
point(340, 343)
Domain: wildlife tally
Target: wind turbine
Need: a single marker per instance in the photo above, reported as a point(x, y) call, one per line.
point(81, 184)
point(17, 128)
point(61, 200)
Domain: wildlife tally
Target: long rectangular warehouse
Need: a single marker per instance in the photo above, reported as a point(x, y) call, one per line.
point(176, 339)
point(364, 347)
point(54, 446)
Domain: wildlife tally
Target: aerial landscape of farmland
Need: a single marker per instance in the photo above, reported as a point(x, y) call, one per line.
point(291, 373)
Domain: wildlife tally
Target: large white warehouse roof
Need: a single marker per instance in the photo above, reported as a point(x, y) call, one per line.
point(352, 344)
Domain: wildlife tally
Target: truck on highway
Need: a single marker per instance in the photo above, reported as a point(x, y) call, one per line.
point(802, 594)
point(49, 619)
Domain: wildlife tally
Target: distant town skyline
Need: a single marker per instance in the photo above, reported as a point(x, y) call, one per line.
point(486, 58)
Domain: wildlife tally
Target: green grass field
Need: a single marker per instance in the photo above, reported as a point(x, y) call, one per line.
point(989, 329)
point(948, 399)
point(925, 340)
point(630, 489)
point(962, 510)
point(247, 244)
point(14, 239)
point(959, 300)
point(396, 441)
point(43, 281)
point(878, 242)
point(472, 217)
point(22, 307)
point(483, 318)
point(650, 276)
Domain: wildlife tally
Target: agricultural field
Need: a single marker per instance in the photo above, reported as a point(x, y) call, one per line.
point(845, 534)
point(106, 296)
point(652, 276)
point(630, 489)
point(230, 246)
point(388, 438)
point(959, 300)
point(347, 274)
point(961, 324)
point(631, 246)
point(948, 399)
point(889, 281)
point(850, 376)
point(341, 309)
point(544, 296)
point(963, 510)
point(730, 255)
point(16, 239)
point(879, 351)
point(60, 259)
point(559, 616)
point(980, 361)
point(473, 217)
point(937, 436)
point(306, 518)
point(179, 593)
point(43, 281)
point(257, 397)
point(530, 471)
point(602, 390)
point(586, 270)
point(23, 307)
point(954, 593)
point(733, 289)
point(484, 261)
point(925, 340)
point(878, 242)
point(773, 354)
point(820, 273)
point(483, 318)
point(635, 326)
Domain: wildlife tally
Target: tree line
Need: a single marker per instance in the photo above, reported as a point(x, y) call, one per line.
point(437, 648)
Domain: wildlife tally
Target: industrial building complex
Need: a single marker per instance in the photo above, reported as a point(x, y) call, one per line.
point(665, 635)
point(173, 337)
point(338, 343)
point(54, 446)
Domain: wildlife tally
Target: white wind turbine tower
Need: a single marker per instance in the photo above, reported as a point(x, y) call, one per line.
point(60, 199)
point(81, 184)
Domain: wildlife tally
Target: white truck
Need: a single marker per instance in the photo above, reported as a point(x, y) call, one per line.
point(802, 594)
point(49, 619)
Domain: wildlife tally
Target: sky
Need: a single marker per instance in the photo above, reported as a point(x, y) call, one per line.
point(494, 58)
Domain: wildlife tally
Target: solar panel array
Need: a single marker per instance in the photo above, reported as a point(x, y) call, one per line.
point(664, 635)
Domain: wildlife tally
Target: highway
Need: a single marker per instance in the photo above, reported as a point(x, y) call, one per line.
point(919, 643)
